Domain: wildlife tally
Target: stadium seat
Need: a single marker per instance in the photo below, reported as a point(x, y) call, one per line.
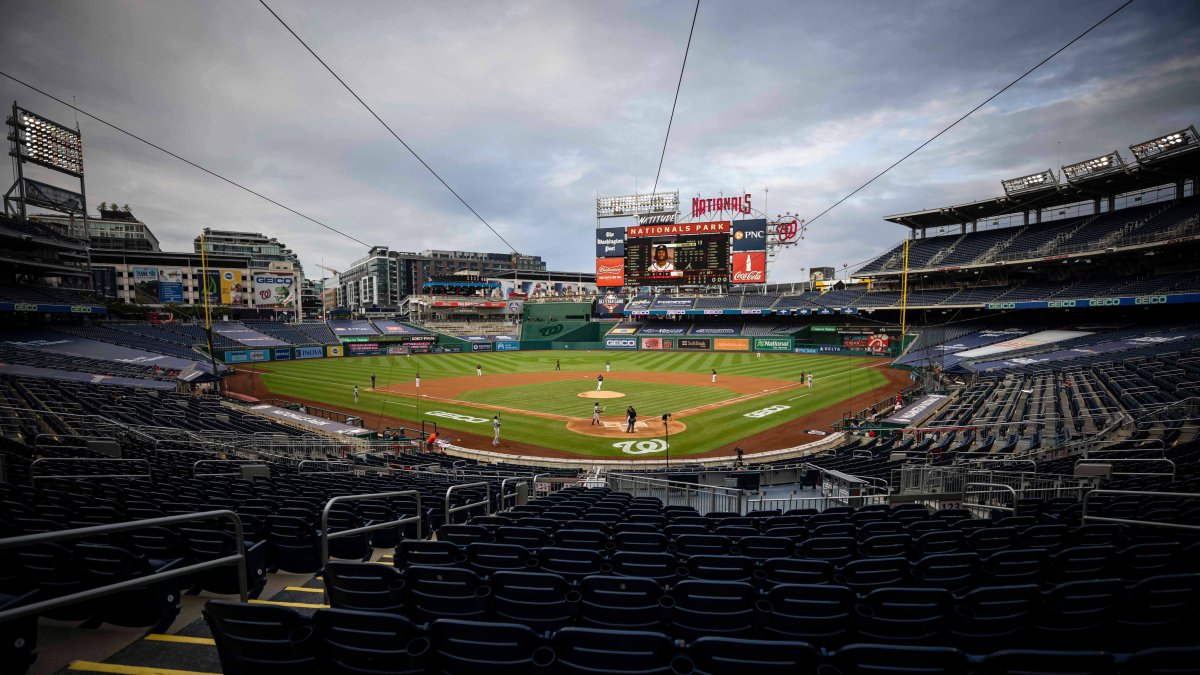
point(155, 605)
point(797, 571)
point(365, 587)
point(485, 648)
point(594, 651)
point(445, 593)
point(994, 615)
point(1078, 612)
point(904, 615)
point(817, 614)
point(955, 572)
point(428, 553)
point(720, 567)
point(712, 608)
point(718, 656)
point(662, 567)
point(866, 574)
point(571, 563)
point(873, 659)
point(1036, 662)
point(542, 601)
point(350, 642)
point(622, 603)
point(261, 639)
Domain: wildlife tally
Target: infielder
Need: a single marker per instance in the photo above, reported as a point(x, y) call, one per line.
point(418, 379)
point(599, 382)
point(557, 364)
point(356, 393)
point(478, 370)
point(596, 414)
point(714, 375)
point(810, 380)
point(496, 430)
point(607, 366)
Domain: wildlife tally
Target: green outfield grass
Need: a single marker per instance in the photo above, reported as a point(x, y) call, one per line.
point(332, 380)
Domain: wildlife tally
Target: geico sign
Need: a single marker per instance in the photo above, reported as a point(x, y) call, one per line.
point(769, 410)
point(456, 416)
point(273, 280)
point(1151, 300)
point(628, 342)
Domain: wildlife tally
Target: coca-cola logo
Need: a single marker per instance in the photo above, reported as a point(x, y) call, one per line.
point(748, 277)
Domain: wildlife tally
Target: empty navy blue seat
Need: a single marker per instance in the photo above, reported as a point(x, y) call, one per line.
point(873, 659)
point(662, 567)
point(593, 651)
point(1078, 612)
point(955, 572)
point(712, 608)
point(485, 648)
point(622, 603)
point(365, 587)
point(423, 552)
point(570, 563)
point(822, 615)
point(464, 534)
point(1036, 662)
point(487, 558)
point(720, 567)
point(904, 615)
point(261, 639)
point(544, 602)
point(994, 615)
point(644, 542)
point(797, 571)
point(866, 574)
point(356, 643)
point(719, 656)
point(445, 593)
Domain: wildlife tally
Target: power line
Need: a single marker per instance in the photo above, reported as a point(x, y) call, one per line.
point(678, 86)
point(385, 126)
point(189, 162)
point(972, 110)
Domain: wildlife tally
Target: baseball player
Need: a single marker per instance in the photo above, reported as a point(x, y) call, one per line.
point(478, 370)
point(418, 379)
point(810, 380)
point(599, 382)
point(496, 430)
point(356, 393)
point(714, 375)
point(372, 380)
point(630, 419)
point(607, 366)
point(557, 364)
point(596, 414)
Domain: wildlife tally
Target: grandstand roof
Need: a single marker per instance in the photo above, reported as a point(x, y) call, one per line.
point(1135, 176)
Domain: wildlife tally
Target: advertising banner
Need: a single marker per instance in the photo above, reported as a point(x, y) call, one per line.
point(679, 253)
point(232, 291)
point(657, 343)
point(609, 309)
point(622, 331)
point(343, 328)
point(663, 331)
point(282, 354)
point(363, 348)
point(395, 350)
point(211, 281)
point(620, 343)
point(750, 235)
point(247, 356)
point(52, 197)
point(610, 242)
point(694, 343)
point(823, 329)
point(772, 344)
point(731, 344)
point(145, 285)
point(610, 272)
point(507, 346)
point(420, 347)
point(481, 347)
point(749, 268)
point(310, 352)
point(333, 351)
point(727, 330)
point(274, 290)
point(170, 285)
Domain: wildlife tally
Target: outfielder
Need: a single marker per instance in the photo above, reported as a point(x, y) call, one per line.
point(607, 366)
point(418, 379)
point(479, 370)
point(810, 380)
point(356, 393)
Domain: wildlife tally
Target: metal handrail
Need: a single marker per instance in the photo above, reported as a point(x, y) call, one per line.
point(1111, 461)
point(486, 503)
point(328, 462)
point(504, 495)
point(43, 460)
point(991, 485)
point(99, 592)
point(326, 536)
point(1003, 461)
point(239, 462)
point(1126, 521)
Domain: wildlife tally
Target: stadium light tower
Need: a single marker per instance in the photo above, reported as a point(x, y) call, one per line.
point(1031, 183)
point(1184, 139)
point(1097, 166)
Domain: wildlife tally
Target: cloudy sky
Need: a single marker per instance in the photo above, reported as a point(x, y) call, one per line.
point(531, 108)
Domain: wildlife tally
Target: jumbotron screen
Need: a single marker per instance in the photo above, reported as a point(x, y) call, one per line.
point(679, 253)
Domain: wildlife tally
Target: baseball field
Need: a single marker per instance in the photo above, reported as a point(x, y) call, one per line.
point(758, 402)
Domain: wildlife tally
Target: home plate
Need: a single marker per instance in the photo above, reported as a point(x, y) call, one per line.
point(601, 394)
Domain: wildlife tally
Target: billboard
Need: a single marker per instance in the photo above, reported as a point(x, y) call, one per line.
point(694, 343)
point(610, 272)
point(773, 344)
point(620, 343)
point(232, 291)
point(750, 235)
point(750, 267)
point(170, 285)
point(145, 285)
point(610, 242)
point(658, 343)
point(363, 348)
point(481, 346)
point(333, 351)
point(274, 290)
point(507, 346)
point(731, 344)
point(678, 253)
point(309, 352)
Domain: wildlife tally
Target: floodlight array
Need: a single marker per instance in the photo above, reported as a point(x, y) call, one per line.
point(1095, 166)
point(636, 205)
point(49, 144)
point(1165, 145)
point(1035, 181)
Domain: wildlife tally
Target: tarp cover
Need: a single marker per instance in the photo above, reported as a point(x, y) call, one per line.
point(915, 412)
point(70, 345)
point(309, 421)
point(88, 378)
point(388, 327)
point(342, 328)
point(248, 336)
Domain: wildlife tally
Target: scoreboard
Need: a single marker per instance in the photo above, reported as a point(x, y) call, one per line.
point(677, 253)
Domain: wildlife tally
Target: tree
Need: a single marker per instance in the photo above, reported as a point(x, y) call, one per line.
point(103, 207)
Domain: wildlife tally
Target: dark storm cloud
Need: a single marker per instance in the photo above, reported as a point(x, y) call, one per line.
point(531, 108)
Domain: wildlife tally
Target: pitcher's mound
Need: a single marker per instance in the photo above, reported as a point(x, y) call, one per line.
point(601, 394)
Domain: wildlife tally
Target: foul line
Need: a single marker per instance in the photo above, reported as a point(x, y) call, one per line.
point(797, 397)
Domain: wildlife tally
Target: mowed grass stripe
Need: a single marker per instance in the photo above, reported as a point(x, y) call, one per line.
point(562, 398)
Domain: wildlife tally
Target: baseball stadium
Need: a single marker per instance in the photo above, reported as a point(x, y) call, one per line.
point(974, 451)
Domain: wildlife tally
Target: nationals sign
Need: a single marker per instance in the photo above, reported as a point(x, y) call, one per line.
point(701, 206)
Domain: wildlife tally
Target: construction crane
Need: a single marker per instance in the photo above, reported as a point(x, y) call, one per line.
point(322, 296)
